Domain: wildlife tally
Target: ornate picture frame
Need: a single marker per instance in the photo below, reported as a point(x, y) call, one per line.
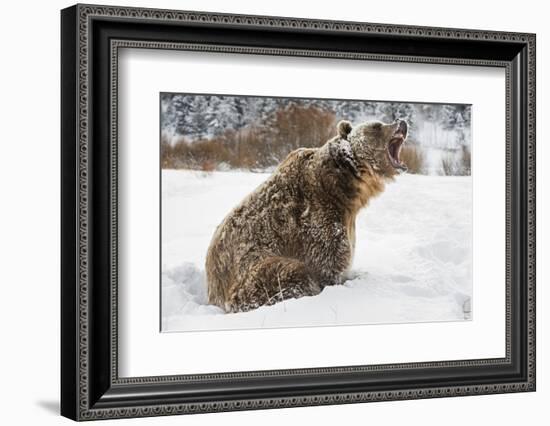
point(91, 37)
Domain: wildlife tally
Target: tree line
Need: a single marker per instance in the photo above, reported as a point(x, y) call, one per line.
point(218, 132)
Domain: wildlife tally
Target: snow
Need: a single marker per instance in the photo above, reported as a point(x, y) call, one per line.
point(413, 257)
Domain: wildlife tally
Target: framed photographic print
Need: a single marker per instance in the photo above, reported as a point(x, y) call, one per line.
point(263, 212)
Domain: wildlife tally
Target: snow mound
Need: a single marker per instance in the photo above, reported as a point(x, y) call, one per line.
point(184, 292)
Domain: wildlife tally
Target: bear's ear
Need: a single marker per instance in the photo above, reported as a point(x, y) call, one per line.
point(344, 128)
point(342, 154)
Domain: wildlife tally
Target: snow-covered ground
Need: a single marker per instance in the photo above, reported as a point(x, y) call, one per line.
point(413, 257)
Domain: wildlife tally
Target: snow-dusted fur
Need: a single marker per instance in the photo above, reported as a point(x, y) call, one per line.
point(295, 234)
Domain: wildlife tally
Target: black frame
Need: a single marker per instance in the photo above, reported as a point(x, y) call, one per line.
point(91, 37)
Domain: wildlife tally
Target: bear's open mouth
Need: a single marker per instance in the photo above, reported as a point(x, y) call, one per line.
point(395, 144)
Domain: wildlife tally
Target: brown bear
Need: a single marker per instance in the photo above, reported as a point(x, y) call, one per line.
point(295, 234)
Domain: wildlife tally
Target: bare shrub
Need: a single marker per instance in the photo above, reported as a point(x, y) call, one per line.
point(254, 147)
point(208, 166)
point(466, 161)
point(291, 128)
point(413, 157)
point(448, 165)
point(166, 154)
point(457, 164)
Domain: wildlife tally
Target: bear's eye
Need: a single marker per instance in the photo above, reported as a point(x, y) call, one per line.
point(376, 126)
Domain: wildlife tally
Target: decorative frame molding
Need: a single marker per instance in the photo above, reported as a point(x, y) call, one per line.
point(91, 388)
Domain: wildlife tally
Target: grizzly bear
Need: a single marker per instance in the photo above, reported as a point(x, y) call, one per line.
point(295, 234)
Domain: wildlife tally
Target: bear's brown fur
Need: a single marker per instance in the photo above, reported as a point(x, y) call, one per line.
point(295, 234)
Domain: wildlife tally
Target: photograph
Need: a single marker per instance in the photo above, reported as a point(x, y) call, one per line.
point(300, 212)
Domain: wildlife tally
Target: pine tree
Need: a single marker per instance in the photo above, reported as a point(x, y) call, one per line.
point(197, 117)
point(167, 116)
point(388, 112)
point(181, 105)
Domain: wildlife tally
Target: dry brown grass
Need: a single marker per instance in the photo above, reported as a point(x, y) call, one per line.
point(466, 161)
point(413, 158)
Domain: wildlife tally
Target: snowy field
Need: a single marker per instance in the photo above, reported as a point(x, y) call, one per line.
point(413, 257)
